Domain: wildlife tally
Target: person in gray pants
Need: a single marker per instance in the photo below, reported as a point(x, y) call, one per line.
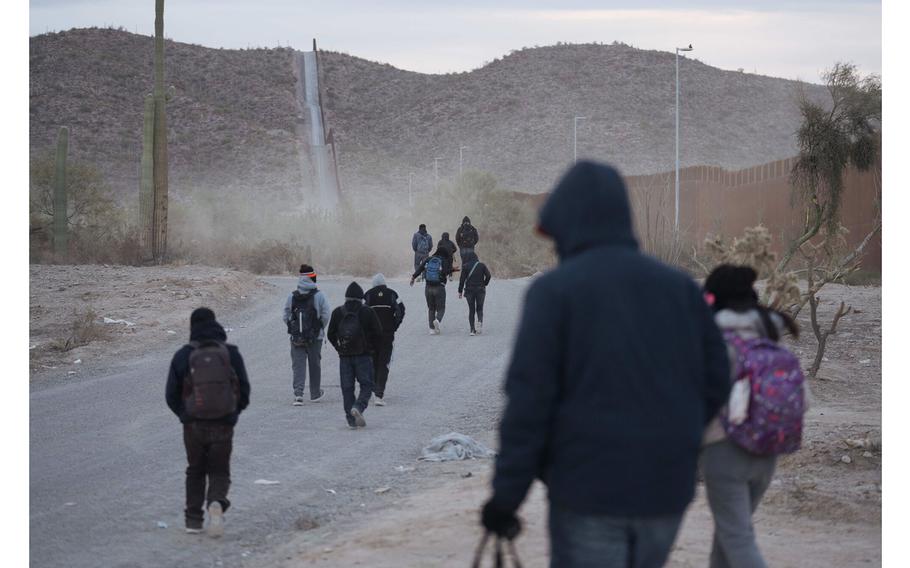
point(308, 356)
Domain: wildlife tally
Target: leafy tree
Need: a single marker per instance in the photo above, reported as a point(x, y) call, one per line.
point(848, 133)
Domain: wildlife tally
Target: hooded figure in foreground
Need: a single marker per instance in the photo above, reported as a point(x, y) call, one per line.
point(617, 368)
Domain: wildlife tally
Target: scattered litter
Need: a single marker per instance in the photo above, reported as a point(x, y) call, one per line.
point(245, 553)
point(403, 468)
point(381, 490)
point(846, 459)
point(330, 491)
point(454, 446)
point(858, 442)
point(162, 525)
point(171, 332)
point(30, 347)
point(113, 321)
point(229, 329)
point(243, 297)
point(363, 504)
point(266, 482)
point(71, 372)
point(867, 454)
point(70, 504)
point(77, 362)
point(865, 361)
point(467, 474)
point(327, 550)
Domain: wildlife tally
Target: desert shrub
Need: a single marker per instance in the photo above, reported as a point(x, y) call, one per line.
point(83, 328)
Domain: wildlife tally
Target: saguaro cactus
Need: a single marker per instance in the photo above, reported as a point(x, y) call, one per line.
point(61, 228)
point(160, 140)
point(147, 181)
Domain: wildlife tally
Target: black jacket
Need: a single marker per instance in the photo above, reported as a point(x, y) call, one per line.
point(617, 367)
point(474, 278)
point(389, 309)
point(466, 235)
point(449, 246)
point(372, 329)
point(180, 366)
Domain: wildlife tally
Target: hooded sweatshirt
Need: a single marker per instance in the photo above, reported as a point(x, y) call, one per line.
point(304, 285)
point(617, 366)
point(180, 367)
point(369, 323)
point(388, 307)
point(466, 236)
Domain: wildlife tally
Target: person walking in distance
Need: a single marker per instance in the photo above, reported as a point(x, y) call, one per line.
point(740, 445)
point(617, 368)
point(207, 388)
point(447, 247)
point(436, 275)
point(306, 314)
point(466, 238)
point(390, 311)
point(422, 243)
point(475, 276)
point(355, 331)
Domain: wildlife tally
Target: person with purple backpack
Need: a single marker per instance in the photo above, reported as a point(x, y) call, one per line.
point(763, 417)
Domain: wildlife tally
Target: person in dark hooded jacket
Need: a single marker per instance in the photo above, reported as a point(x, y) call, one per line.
point(355, 332)
point(208, 443)
point(617, 368)
point(449, 249)
point(466, 238)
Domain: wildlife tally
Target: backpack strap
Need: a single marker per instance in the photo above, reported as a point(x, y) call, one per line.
point(471, 273)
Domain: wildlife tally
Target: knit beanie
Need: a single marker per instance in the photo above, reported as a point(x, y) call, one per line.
point(200, 316)
point(354, 292)
point(379, 280)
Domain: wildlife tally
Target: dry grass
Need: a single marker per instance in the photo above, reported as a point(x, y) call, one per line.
point(82, 329)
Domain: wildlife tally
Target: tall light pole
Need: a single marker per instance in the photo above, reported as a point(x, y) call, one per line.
point(461, 161)
point(410, 199)
point(575, 138)
point(676, 215)
point(436, 173)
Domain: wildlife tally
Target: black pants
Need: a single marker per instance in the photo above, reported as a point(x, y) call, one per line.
point(475, 298)
point(208, 454)
point(382, 356)
point(436, 302)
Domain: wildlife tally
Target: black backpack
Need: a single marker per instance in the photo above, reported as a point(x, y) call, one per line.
point(304, 325)
point(351, 339)
point(211, 388)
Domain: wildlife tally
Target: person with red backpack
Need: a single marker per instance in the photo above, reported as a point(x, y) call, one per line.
point(435, 270)
point(763, 417)
point(306, 315)
point(207, 388)
point(355, 332)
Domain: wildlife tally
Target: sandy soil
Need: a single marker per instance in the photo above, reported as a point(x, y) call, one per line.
point(155, 301)
point(823, 508)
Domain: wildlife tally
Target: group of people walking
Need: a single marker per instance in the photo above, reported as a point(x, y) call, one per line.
point(626, 378)
point(437, 269)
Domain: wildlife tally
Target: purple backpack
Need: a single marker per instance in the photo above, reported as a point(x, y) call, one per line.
point(774, 423)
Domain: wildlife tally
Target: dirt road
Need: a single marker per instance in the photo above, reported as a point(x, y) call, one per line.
point(107, 457)
point(107, 460)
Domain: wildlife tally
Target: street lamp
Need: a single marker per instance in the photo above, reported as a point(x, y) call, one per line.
point(410, 199)
point(575, 137)
point(676, 215)
point(461, 160)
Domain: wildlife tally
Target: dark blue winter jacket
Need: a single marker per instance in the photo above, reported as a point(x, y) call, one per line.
point(617, 367)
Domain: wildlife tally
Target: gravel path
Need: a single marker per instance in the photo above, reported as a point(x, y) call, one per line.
point(106, 459)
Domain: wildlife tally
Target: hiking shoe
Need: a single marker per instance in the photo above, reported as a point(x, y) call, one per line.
point(298, 401)
point(193, 528)
point(473, 333)
point(358, 418)
point(351, 424)
point(320, 397)
point(436, 326)
point(379, 401)
point(216, 520)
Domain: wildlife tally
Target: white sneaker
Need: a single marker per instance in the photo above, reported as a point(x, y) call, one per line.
point(380, 402)
point(436, 326)
point(216, 520)
point(473, 333)
point(298, 401)
point(479, 327)
point(320, 397)
point(358, 418)
point(191, 530)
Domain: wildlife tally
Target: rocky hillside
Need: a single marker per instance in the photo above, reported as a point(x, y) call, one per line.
point(232, 120)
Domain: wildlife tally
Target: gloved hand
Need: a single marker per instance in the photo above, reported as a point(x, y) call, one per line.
point(499, 520)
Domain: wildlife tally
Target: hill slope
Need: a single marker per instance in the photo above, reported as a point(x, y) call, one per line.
point(232, 120)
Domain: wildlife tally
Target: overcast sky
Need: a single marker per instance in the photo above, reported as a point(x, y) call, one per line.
point(792, 39)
